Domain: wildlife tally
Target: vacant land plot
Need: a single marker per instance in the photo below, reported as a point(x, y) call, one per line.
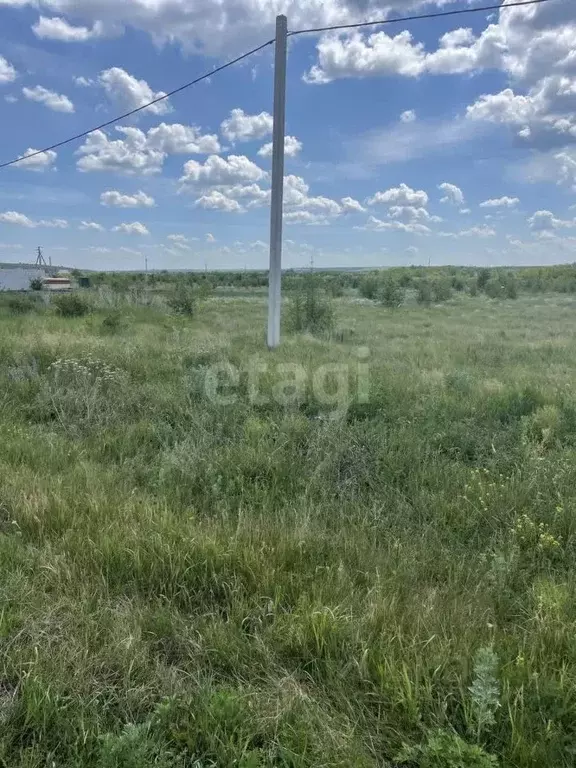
point(196, 571)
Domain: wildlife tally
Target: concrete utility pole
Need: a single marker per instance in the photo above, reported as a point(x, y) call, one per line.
point(276, 205)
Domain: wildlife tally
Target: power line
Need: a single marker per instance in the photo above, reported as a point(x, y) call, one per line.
point(440, 15)
point(139, 109)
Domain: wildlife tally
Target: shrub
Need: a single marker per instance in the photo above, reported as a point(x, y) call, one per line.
point(368, 286)
point(71, 305)
point(112, 323)
point(473, 289)
point(424, 293)
point(483, 278)
point(510, 287)
point(183, 301)
point(21, 305)
point(441, 290)
point(310, 309)
point(494, 288)
point(36, 284)
point(390, 293)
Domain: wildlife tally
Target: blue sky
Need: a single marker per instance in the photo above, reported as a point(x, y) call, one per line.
point(451, 141)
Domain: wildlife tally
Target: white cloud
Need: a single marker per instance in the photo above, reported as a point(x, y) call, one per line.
point(292, 147)
point(13, 217)
point(545, 221)
point(217, 170)
point(177, 139)
point(503, 107)
point(140, 153)
point(39, 163)
point(128, 93)
point(402, 195)
point(21, 220)
point(242, 127)
point(408, 116)
point(500, 202)
point(7, 71)
point(55, 101)
point(353, 55)
point(131, 155)
point(480, 231)
point(83, 82)
point(138, 200)
point(59, 29)
point(91, 225)
point(210, 238)
point(413, 228)
point(452, 194)
point(215, 200)
point(349, 205)
point(135, 228)
point(410, 214)
point(251, 194)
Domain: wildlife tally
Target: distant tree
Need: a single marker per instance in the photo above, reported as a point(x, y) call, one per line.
point(484, 276)
point(36, 284)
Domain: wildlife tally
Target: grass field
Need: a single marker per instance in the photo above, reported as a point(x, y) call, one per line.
point(188, 583)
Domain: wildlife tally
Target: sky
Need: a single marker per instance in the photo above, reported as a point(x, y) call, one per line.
point(441, 141)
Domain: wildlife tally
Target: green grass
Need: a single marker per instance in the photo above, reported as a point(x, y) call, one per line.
point(190, 584)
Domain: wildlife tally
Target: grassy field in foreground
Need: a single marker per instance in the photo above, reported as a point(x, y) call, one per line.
point(186, 583)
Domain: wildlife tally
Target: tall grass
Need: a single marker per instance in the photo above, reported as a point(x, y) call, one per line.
point(184, 583)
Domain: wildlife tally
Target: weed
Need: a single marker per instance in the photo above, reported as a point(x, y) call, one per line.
point(71, 305)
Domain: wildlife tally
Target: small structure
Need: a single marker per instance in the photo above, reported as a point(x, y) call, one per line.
point(57, 284)
point(19, 278)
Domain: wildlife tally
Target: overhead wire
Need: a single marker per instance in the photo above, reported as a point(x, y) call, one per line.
point(423, 16)
point(157, 100)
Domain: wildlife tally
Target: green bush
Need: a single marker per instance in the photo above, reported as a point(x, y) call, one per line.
point(483, 277)
point(510, 286)
point(113, 322)
point(71, 305)
point(424, 293)
point(494, 288)
point(36, 284)
point(369, 285)
point(441, 290)
point(21, 305)
point(310, 309)
point(390, 293)
point(183, 301)
point(473, 289)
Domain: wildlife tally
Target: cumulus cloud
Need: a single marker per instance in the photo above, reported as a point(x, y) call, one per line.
point(131, 155)
point(242, 127)
point(177, 139)
point(140, 153)
point(134, 228)
point(7, 71)
point(545, 221)
point(218, 170)
point(38, 163)
point(139, 200)
point(128, 93)
point(54, 101)
point(59, 29)
point(91, 225)
point(292, 147)
point(500, 202)
point(414, 228)
point(21, 220)
point(452, 194)
point(402, 195)
point(217, 201)
point(349, 205)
